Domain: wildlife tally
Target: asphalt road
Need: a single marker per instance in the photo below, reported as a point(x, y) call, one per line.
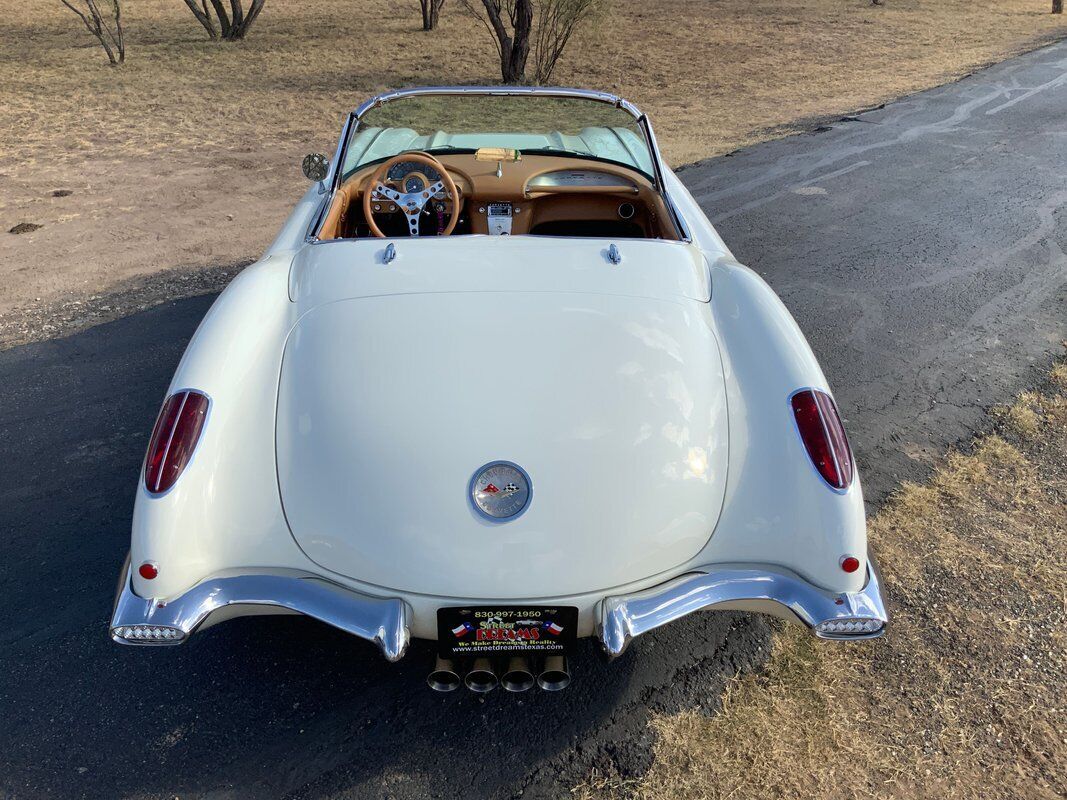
point(921, 249)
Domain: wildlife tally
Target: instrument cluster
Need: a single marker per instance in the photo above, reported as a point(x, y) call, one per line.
point(411, 176)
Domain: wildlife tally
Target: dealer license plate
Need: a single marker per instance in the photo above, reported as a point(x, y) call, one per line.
point(506, 631)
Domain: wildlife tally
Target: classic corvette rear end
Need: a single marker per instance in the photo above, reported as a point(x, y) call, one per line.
point(590, 427)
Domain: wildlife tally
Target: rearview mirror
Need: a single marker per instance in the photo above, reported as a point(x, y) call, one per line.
point(315, 166)
point(497, 154)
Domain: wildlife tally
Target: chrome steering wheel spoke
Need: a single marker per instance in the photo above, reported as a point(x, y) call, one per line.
point(385, 193)
point(412, 212)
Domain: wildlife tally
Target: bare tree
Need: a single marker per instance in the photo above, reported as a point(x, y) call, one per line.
point(556, 21)
point(105, 25)
point(232, 24)
point(431, 10)
point(521, 26)
point(509, 22)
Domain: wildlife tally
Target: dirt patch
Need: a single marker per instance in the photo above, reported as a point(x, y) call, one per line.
point(190, 153)
point(964, 697)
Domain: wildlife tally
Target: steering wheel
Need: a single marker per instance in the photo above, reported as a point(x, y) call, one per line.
point(410, 203)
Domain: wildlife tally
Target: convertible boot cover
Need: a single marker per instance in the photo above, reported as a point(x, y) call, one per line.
point(612, 403)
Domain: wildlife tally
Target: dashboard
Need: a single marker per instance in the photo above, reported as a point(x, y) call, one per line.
point(537, 194)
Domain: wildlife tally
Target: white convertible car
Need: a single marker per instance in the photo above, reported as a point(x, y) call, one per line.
point(499, 384)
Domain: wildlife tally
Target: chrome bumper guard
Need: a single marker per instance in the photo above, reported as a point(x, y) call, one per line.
point(145, 621)
point(829, 615)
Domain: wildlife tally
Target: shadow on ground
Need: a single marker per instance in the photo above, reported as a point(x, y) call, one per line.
point(255, 707)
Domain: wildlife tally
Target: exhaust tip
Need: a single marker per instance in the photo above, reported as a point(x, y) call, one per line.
point(481, 677)
point(444, 677)
point(556, 675)
point(518, 677)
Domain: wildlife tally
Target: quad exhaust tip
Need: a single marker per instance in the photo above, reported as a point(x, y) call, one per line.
point(444, 677)
point(481, 677)
point(517, 675)
point(556, 674)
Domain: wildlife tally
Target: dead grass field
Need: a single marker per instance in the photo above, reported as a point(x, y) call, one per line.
point(714, 74)
point(188, 154)
point(966, 697)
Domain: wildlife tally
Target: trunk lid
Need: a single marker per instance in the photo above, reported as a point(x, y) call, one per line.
point(612, 402)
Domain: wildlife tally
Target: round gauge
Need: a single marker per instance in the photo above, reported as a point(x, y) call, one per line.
point(414, 183)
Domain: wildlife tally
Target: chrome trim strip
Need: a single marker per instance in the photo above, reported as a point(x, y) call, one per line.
point(623, 617)
point(384, 621)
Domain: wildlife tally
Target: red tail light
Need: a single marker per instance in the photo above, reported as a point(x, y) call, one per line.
point(173, 439)
point(823, 436)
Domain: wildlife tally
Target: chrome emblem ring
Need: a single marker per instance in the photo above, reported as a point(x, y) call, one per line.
point(500, 491)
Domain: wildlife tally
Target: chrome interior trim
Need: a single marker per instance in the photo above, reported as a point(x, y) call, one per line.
point(580, 177)
point(623, 617)
point(383, 621)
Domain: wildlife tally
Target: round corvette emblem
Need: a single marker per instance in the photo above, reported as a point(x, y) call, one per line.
point(500, 491)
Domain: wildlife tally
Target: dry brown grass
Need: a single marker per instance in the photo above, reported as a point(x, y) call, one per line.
point(967, 695)
point(188, 156)
point(715, 74)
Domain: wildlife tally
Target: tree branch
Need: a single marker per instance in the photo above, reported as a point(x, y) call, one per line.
point(202, 16)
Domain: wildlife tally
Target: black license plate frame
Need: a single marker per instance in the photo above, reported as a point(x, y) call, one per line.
point(506, 630)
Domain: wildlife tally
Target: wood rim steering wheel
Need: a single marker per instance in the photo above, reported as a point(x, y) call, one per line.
point(410, 203)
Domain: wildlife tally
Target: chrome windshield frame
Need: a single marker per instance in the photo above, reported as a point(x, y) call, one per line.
point(336, 174)
point(505, 91)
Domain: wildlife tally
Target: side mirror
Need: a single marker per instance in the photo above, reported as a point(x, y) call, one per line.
point(315, 166)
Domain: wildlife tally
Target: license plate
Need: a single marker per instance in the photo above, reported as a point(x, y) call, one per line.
point(506, 631)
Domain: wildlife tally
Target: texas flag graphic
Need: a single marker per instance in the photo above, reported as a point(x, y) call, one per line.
point(462, 630)
point(553, 628)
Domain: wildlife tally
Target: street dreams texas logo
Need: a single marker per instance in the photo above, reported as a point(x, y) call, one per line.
point(495, 629)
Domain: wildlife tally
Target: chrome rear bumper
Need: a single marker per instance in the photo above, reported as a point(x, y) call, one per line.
point(829, 615)
point(140, 621)
point(386, 621)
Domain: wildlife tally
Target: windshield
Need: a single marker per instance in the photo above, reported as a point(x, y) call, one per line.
point(442, 123)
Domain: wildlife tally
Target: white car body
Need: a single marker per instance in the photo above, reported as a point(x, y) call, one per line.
point(356, 386)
